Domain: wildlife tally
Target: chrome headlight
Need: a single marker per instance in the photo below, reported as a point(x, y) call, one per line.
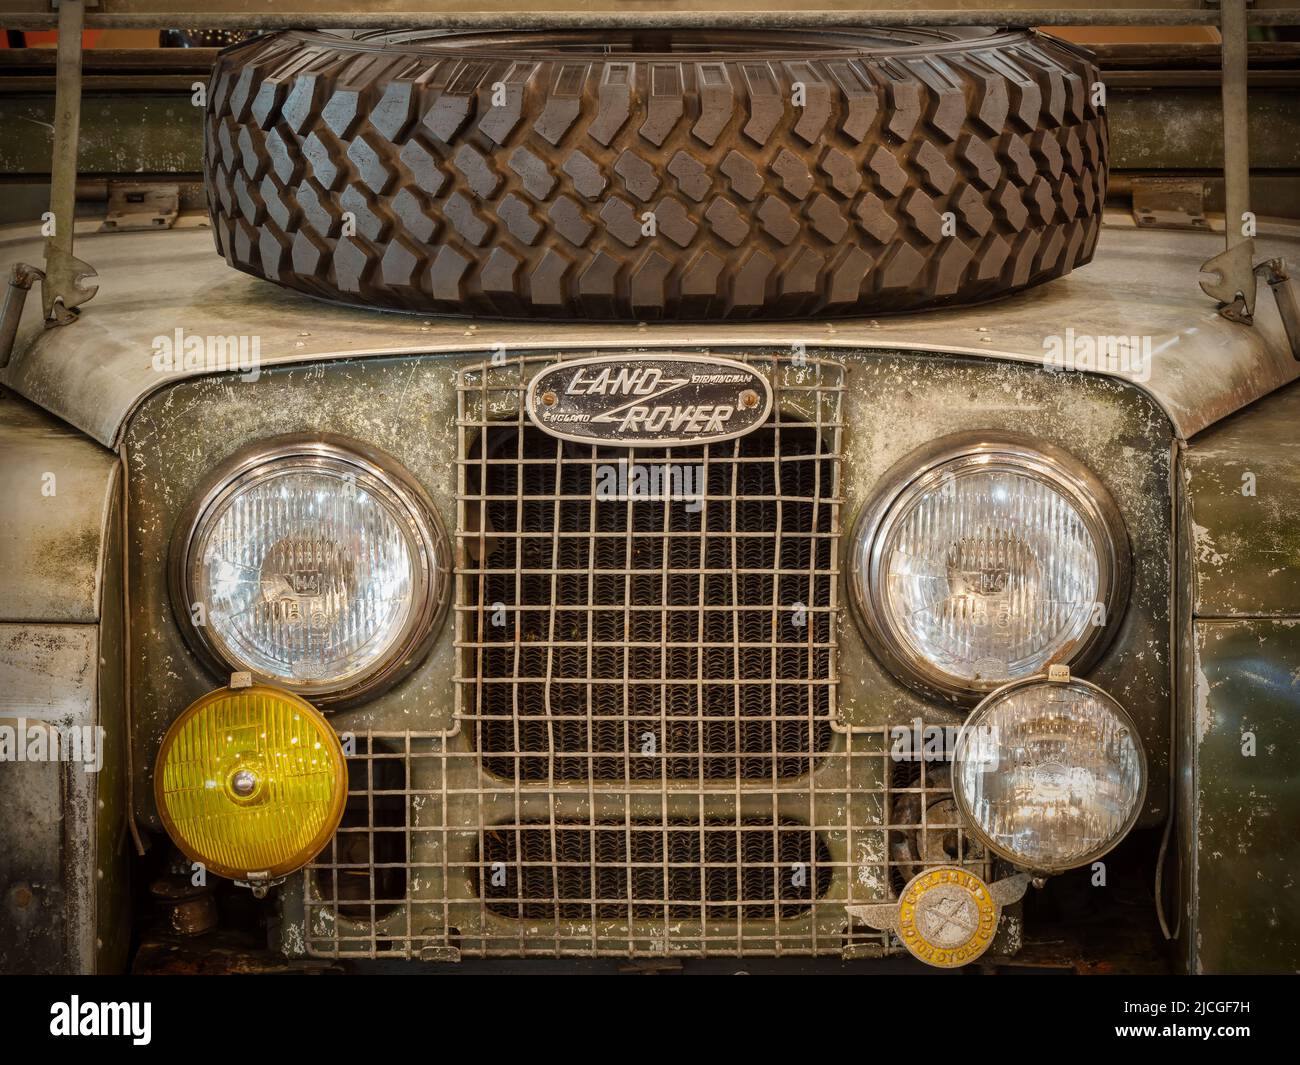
point(985, 559)
point(315, 564)
point(1049, 774)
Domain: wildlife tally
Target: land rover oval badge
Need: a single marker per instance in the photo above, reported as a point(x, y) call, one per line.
point(649, 400)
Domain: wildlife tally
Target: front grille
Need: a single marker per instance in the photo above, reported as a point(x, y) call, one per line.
point(712, 870)
point(613, 640)
point(647, 756)
point(435, 859)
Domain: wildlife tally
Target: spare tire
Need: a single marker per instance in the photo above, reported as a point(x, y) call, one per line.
point(684, 176)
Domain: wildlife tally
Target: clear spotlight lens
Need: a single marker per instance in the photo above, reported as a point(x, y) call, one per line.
point(313, 569)
point(988, 565)
point(1050, 775)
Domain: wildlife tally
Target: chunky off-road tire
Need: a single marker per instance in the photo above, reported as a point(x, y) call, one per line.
point(697, 176)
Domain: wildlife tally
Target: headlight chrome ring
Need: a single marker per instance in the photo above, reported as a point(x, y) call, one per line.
point(343, 519)
point(1058, 481)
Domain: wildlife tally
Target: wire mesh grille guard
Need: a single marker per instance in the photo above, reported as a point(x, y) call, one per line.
point(612, 639)
point(436, 860)
point(647, 757)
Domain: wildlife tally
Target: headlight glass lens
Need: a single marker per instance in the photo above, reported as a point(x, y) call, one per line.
point(987, 567)
point(312, 570)
point(1050, 775)
point(251, 782)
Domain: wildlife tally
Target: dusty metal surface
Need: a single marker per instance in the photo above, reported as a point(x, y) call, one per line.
point(1176, 202)
point(121, 133)
point(1242, 479)
point(67, 283)
point(62, 847)
point(1238, 694)
point(1245, 790)
point(49, 681)
point(112, 841)
point(137, 205)
point(58, 488)
point(407, 407)
point(1230, 275)
point(64, 893)
point(1176, 886)
point(126, 129)
point(1142, 283)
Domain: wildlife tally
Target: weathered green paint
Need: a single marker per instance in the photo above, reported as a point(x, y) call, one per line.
point(1246, 547)
point(1246, 848)
point(58, 486)
point(126, 133)
point(894, 402)
point(1239, 677)
point(1182, 129)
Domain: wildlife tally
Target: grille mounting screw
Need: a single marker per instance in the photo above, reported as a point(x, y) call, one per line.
point(549, 398)
point(749, 398)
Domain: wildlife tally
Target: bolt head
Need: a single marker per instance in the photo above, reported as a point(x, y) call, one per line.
point(244, 783)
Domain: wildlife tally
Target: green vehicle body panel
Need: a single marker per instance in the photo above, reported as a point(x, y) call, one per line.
point(64, 893)
point(1239, 692)
point(1245, 774)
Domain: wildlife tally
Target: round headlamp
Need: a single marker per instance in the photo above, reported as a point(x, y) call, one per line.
point(251, 782)
point(314, 564)
point(1049, 774)
point(985, 559)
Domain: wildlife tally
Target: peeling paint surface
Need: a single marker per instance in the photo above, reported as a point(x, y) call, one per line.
point(1247, 794)
point(57, 487)
point(1243, 484)
point(406, 406)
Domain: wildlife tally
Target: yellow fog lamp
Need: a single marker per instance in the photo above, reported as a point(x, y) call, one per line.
point(251, 782)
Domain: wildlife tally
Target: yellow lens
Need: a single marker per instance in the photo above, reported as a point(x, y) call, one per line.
point(251, 782)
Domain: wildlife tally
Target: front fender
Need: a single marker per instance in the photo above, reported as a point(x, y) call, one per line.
point(63, 858)
point(1238, 790)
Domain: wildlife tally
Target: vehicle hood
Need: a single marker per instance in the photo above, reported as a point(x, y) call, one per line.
point(1141, 283)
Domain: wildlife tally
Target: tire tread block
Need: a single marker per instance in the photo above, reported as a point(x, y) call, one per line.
point(521, 183)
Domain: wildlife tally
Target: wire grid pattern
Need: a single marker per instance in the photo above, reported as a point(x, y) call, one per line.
point(437, 860)
point(597, 630)
point(647, 757)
